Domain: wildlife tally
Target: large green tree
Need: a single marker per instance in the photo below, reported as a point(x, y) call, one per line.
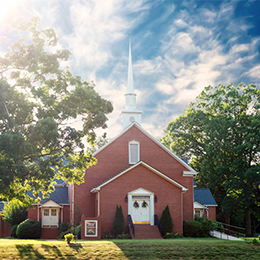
point(39, 101)
point(219, 134)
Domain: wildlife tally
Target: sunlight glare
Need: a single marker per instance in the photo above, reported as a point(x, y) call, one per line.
point(7, 8)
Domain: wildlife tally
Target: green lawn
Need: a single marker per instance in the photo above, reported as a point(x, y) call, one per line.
point(209, 248)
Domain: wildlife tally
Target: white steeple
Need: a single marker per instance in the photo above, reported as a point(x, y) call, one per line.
point(130, 114)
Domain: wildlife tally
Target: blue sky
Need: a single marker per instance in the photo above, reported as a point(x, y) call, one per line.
point(178, 48)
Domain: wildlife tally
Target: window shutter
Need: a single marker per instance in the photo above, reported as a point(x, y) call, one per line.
point(134, 153)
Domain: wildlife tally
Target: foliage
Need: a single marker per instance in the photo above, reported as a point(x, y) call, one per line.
point(13, 231)
point(219, 134)
point(172, 235)
point(124, 236)
point(119, 222)
point(15, 212)
point(39, 101)
point(77, 231)
point(29, 229)
point(192, 228)
point(68, 238)
point(166, 221)
point(64, 226)
point(208, 224)
point(107, 235)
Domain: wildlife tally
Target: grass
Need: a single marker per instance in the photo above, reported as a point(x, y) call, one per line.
point(208, 248)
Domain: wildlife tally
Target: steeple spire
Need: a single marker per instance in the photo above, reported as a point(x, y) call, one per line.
point(130, 114)
point(130, 79)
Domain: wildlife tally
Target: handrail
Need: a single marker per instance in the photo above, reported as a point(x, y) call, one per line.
point(131, 224)
point(158, 224)
point(225, 228)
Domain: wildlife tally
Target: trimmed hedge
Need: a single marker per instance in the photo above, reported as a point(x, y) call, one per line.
point(119, 222)
point(13, 231)
point(198, 228)
point(29, 229)
point(166, 221)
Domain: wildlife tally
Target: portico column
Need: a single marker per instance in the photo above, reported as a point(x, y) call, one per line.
point(152, 209)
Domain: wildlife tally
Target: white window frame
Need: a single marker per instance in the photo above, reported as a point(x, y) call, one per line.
point(138, 151)
point(96, 228)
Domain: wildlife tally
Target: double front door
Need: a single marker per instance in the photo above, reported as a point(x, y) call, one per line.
point(141, 209)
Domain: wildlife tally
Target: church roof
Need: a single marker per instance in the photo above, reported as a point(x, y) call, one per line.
point(1, 206)
point(97, 188)
point(185, 164)
point(204, 197)
point(60, 196)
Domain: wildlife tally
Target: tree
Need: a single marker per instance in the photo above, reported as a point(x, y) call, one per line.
point(219, 134)
point(166, 221)
point(38, 102)
point(15, 212)
point(119, 222)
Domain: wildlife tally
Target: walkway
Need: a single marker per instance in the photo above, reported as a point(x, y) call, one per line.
point(220, 235)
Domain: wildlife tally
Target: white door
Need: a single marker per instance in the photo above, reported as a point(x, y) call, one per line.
point(50, 217)
point(141, 210)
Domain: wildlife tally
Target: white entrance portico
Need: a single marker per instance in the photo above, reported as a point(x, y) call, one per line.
point(141, 206)
point(50, 214)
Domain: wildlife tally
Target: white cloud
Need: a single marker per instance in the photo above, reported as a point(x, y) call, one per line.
point(254, 72)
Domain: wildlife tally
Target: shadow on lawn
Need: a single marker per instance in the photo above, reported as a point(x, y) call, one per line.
point(29, 252)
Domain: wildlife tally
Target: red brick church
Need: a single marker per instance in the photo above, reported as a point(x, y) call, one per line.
point(134, 171)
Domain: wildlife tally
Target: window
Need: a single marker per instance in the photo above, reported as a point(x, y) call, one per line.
point(134, 152)
point(53, 212)
point(46, 212)
point(197, 212)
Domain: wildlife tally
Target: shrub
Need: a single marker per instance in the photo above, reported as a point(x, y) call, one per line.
point(77, 231)
point(29, 229)
point(166, 221)
point(208, 225)
point(13, 231)
point(119, 222)
point(192, 228)
point(15, 212)
point(62, 234)
point(107, 235)
point(64, 226)
point(172, 235)
point(124, 236)
point(69, 237)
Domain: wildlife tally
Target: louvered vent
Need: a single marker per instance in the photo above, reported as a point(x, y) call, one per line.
point(133, 153)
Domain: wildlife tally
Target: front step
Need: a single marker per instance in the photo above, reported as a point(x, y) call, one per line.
point(146, 232)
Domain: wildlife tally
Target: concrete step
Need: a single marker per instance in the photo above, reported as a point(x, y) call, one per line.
point(146, 232)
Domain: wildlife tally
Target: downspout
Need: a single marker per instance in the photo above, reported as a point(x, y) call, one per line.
point(38, 213)
point(98, 203)
point(72, 205)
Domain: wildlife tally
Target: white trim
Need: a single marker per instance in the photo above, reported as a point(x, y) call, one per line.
point(189, 174)
point(38, 213)
point(98, 203)
point(96, 228)
point(50, 204)
point(184, 189)
point(142, 192)
point(153, 139)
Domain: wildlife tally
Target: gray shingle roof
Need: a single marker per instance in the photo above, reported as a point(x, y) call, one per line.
point(204, 197)
point(60, 196)
point(1, 206)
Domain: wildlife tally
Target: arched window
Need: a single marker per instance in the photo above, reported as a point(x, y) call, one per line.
point(134, 152)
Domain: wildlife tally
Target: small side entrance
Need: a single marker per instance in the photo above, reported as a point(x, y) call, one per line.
point(141, 206)
point(50, 214)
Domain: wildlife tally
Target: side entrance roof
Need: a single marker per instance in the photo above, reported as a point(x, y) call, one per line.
point(204, 197)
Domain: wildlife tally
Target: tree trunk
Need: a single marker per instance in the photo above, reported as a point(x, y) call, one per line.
point(248, 223)
point(227, 221)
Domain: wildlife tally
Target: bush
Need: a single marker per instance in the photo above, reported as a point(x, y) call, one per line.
point(208, 225)
point(29, 229)
point(64, 226)
point(77, 231)
point(166, 221)
point(119, 222)
point(172, 235)
point(62, 234)
point(13, 231)
point(15, 212)
point(123, 236)
point(193, 229)
point(69, 237)
point(107, 235)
